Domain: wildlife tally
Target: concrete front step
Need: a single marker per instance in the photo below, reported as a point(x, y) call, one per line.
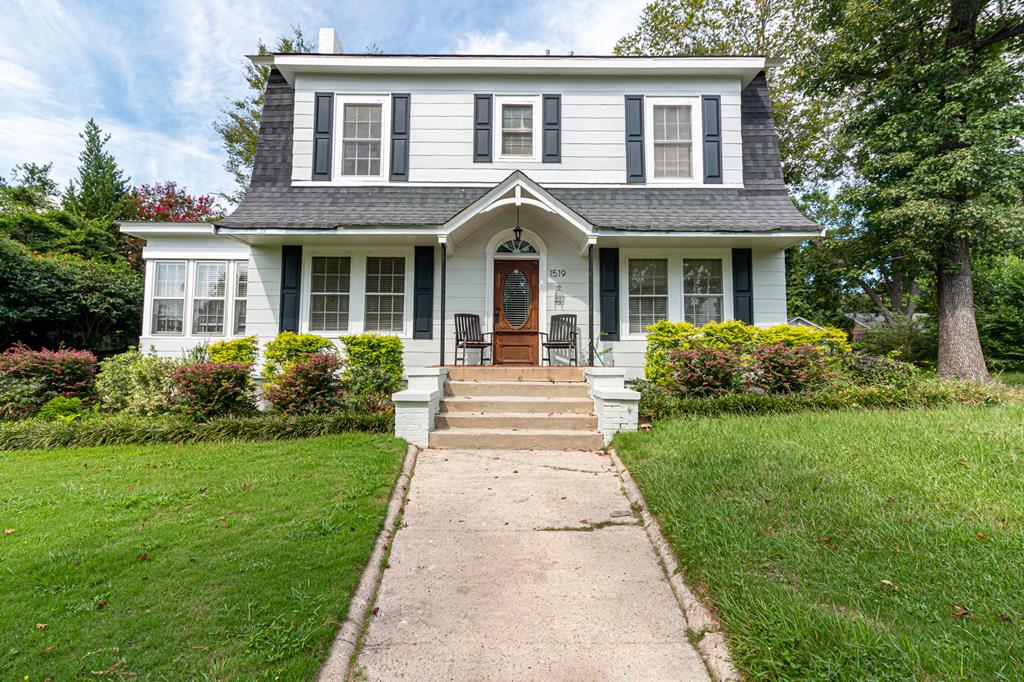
point(517, 420)
point(505, 404)
point(514, 439)
point(515, 373)
point(519, 389)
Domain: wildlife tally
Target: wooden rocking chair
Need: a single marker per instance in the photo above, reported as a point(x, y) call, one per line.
point(469, 336)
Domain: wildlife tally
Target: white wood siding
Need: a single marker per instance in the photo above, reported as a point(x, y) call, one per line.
point(593, 125)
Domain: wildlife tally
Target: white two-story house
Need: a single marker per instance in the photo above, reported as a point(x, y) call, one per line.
point(392, 192)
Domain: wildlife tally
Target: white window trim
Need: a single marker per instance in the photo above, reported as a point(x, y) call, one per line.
point(337, 161)
point(233, 303)
point(533, 101)
point(192, 298)
point(356, 290)
point(696, 143)
point(675, 283)
point(151, 298)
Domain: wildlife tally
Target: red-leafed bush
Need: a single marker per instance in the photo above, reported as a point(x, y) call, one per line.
point(309, 385)
point(703, 371)
point(165, 201)
point(65, 373)
point(213, 389)
point(779, 368)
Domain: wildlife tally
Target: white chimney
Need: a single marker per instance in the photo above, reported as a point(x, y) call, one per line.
point(329, 42)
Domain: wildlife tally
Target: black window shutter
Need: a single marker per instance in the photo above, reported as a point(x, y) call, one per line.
point(711, 106)
point(551, 124)
point(483, 116)
point(400, 137)
point(743, 285)
point(291, 269)
point(609, 289)
point(323, 117)
point(635, 139)
point(423, 293)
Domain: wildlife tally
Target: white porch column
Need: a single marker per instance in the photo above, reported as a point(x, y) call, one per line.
point(417, 405)
point(617, 407)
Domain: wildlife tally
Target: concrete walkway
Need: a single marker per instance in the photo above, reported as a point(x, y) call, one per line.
point(523, 565)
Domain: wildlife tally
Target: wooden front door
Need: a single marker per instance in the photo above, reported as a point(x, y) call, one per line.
point(516, 314)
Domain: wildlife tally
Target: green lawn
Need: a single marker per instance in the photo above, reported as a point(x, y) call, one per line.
point(1011, 378)
point(850, 545)
point(215, 561)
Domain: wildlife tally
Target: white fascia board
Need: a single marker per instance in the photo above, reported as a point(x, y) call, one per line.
point(290, 64)
point(355, 231)
point(680, 234)
point(154, 229)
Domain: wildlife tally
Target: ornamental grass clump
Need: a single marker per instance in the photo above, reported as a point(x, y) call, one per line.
point(703, 371)
point(309, 385)
point(213, 389)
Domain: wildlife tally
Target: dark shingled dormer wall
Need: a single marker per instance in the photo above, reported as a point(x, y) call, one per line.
point(272, 166)
point(762, 164)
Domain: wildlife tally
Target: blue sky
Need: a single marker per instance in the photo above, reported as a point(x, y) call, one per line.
point(156, 75)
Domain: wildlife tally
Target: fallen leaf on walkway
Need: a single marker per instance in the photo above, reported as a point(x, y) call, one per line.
point(583, 522)
point(376, 610)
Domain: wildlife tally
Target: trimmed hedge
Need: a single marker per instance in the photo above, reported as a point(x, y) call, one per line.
point(127, 430)
point(657, 403)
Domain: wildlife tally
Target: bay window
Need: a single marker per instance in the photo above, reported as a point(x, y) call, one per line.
point(331, 278)
point(648, 293)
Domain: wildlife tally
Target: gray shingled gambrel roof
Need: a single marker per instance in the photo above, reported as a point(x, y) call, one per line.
point(763, 205)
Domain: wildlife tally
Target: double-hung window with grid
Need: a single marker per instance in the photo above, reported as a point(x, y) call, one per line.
point(648, 293)
point(361, 139)
point(241, 293)
point(169, 297)
point(331, 279)
point(208, 297)
point(673, 141)
point(517, 130)
point(385, 294)
point(703, 291)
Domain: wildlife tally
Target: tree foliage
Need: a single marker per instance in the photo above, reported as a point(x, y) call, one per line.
point(32, 188)
point(50, 300)
point(240, 124)
point(166, 202)
point(101, 187)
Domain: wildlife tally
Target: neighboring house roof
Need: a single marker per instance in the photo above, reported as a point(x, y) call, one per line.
point(866, 320)
point(803, 322)
point(762, 205)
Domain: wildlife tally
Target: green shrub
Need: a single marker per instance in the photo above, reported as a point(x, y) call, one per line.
point(658, 402)
point(130, 430)
point(205, 390)
point(309, 385)
point(664, 337)
point(235, 350)
point(370, 389)
point(778, 368)
point(373, 351)
point(60, 408)
point(19, 398)
point(912, 341)
point(289, 346)
point(875, 370)
point(136, 383)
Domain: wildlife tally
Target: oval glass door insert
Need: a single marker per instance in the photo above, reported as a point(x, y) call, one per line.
point(515, 298)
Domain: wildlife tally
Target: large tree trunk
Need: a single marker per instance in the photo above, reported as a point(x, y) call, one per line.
point(960, 354)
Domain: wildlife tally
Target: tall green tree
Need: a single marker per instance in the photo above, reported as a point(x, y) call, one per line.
point(240, 124)
point(932, 137)
point(100, 188)
point(773, 28)
point(31, 187)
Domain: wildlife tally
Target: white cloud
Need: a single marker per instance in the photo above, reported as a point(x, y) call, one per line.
point(582, 26)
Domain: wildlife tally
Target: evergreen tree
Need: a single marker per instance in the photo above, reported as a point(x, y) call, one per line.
point(101, 187)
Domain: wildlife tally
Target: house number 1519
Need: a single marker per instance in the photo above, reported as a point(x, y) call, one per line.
point(556, 273)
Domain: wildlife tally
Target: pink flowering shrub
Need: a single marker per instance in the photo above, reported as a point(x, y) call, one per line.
point(213, 389)
point(310, 384)
point(703, 371)
point(65, 373)
point(166, 202)
point(779, 368)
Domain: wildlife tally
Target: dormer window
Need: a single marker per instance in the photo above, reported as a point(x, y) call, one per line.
point(361, 140)
point(673, 142)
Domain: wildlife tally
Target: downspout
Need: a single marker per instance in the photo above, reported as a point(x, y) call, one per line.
point(444, 269)
point(590, 304)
